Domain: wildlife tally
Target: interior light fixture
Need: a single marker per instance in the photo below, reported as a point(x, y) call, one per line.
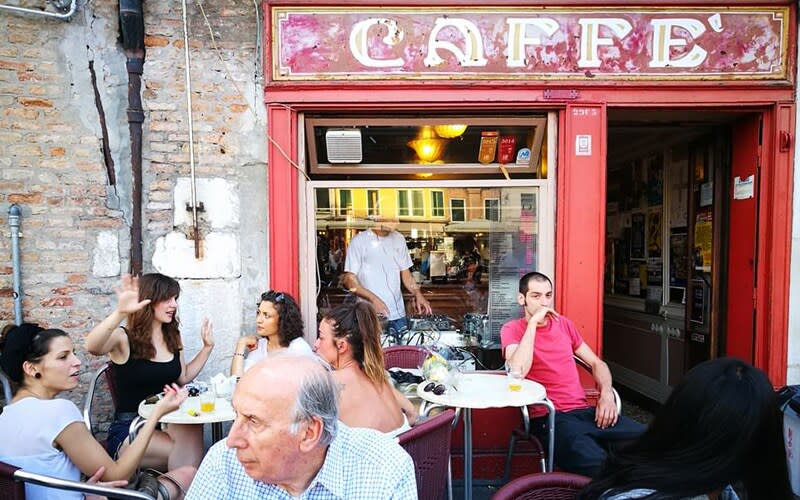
point(449, 131)
point(428, 146)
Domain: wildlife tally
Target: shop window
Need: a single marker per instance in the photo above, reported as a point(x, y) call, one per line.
point(345, 201)
point(491, 209)
point(426, 145)
point(467, 264)
point(458, 211)
point(437, 203)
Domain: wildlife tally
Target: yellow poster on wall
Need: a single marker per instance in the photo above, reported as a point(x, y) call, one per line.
point(703, 241)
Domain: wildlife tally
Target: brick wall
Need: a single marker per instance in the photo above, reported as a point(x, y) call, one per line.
point(76, 224)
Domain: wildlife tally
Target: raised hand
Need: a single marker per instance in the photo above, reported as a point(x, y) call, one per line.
point(247, 343)
point(174, 395)
point(206, 334)
point(128, 295)
point(543, 312)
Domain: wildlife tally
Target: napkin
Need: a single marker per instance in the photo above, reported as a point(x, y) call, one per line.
point(223, 385)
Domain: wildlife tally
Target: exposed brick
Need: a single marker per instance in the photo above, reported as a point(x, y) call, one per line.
point(35, 102)
point(155, 41)
point(31, 198)
point(57, 302)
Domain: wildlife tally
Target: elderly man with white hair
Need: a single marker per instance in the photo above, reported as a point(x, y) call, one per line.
point(286, 442)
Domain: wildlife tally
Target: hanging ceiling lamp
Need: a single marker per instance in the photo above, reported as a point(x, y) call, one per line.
point(449, 131)
point(428, 146)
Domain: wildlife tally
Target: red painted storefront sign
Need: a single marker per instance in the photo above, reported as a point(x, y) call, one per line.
point(331, 43)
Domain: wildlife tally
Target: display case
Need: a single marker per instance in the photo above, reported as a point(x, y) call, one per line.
point(429, 145)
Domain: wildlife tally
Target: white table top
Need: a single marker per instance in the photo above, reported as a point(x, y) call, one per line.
point(484, 390)
point(223, 412)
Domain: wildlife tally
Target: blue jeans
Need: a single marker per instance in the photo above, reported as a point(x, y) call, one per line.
point(581, 447)
point(395, 328)
point(118, 432)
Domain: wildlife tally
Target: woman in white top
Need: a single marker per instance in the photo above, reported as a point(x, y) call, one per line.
point(46, 435)
point(279, 325)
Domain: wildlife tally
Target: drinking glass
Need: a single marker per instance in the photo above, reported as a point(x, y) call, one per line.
point(208, 400)
point(514, 377)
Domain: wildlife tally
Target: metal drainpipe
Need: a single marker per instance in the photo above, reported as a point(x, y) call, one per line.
point(66, 16)
point(14, 214)
point(131, 21)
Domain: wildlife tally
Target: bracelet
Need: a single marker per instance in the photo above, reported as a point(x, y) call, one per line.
point(238, 354)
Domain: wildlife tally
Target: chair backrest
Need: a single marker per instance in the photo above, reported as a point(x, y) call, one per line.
point(592, 393)
point(7, 395)
point(13, 479)
point(10, 488)
point(428, 443)
point(404, 356)
point(105, 371)
point(543, 486)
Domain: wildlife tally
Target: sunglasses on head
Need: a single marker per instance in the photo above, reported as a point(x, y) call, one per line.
point(274, 296)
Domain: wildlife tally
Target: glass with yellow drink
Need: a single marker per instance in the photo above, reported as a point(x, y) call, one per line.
point(208, 400)
point(514, 377)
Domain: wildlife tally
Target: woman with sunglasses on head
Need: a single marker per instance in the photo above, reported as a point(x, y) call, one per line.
point(279, 326)
point(147, 354)
point(44, 434)
point(349, 339)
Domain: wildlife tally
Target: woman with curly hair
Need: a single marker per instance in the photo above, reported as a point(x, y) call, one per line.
point(279, 326)
point(146, 355)
point(349, 339)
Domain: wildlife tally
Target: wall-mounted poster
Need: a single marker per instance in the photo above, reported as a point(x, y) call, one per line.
point(703, 234)
point(637, 236)
point(654, 233)
point(678, 269)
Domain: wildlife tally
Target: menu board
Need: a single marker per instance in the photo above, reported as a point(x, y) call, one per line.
point(503, 306)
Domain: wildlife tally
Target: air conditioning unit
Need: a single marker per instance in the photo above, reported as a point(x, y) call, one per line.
point(343, 145)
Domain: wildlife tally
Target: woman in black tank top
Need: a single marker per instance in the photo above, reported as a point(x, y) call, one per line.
point(146, 354)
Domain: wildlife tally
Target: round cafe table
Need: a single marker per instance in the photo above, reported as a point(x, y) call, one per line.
point(223, 412)
point(480, 390)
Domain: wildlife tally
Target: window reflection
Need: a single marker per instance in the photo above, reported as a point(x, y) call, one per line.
point(468, 247)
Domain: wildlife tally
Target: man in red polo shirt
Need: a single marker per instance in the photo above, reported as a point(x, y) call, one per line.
point(541, 345)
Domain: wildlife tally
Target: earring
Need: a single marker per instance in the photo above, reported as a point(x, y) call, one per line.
point(37, 375)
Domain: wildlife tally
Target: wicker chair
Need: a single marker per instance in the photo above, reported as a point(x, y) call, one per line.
point(404, 356)
point(13, 480)
point(428, 443)
point(543, 486)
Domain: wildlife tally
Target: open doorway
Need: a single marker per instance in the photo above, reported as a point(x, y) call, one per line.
point(680, 243)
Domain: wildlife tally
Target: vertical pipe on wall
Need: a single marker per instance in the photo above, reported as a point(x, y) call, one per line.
point(131, 22)
point(195, 229)
point(14, 214)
